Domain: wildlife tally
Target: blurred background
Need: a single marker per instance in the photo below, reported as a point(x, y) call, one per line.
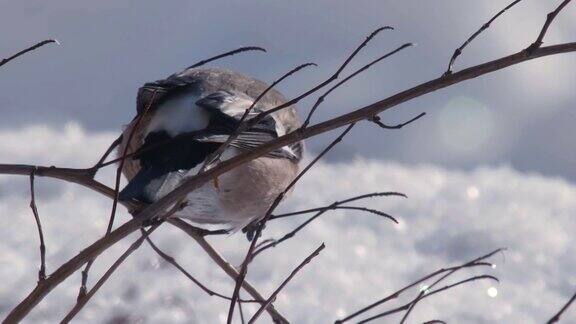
point(490, 165)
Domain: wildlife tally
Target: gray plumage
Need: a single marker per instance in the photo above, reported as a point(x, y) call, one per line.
point(205, 104)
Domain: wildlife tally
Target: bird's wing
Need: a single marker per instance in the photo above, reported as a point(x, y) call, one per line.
point(227, 109)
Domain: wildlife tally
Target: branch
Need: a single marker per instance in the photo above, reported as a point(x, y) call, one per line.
point(224, 265)
point(82, 300)
point(549, 19)
point(459, 50)
point(285, 282)
point(173, 262)
point(234, 52)
point(446, 271)
point(376, 120)
point(83, 177)
point(556, 317)
point(111, 148)
point(42, 271)
point(322, 84)
point(275, 242)
point(311, 210)
point(85, 272)
point(410, 305)
point(29, 49)
point(348, 78)
point(249, 254)
point(242, 126)
point(74, 175)
point(352, 117)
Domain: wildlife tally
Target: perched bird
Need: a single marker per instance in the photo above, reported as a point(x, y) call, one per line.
point(188, 116)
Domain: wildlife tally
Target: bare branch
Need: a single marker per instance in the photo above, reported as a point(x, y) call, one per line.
point(549, 19)
point(376, 120)
point(82, 300)
point(262, 223)
point(83, 177)
point(274, 242)
point(446, 271)
point(459, 50)
point(324, 83)
point(234, 52)
point(121, 165)
point(331, 207)
point(244, 126)
point(224, 265)
point(29, 49)
point(319, 211)
point(285, 282)
point(111, 148)
point(173, 262)
point(42, 271)
point(348, 78)
point(241, 312)
point(352, 117)
point(410, 305)
point(78, 175)
point(556, 317)
point(85, 272)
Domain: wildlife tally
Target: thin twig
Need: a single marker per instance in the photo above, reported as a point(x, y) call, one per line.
point(376, 120)
point(123, 160)
point(336, 204)
point(86, 271)
point(274, 242)
point(348, 78)
point(230, 270)
point(233, 52)
point(29, 49)
point(472, 263)
point(549, 19)
point(111, 148)
point(410, 305)
point(320, 211)
point(351, 117)
point(459, 50)
point(262, 223)
point(243, 321)
point(324, 83)
point(556, 317)
point(79, 175)
point(42, 271)
point(330, 207)
point(173, 262)
point(243, 126)
point(81, 302)
point(285, 282)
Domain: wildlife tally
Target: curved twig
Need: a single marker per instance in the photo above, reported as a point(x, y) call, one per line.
point(29, 49)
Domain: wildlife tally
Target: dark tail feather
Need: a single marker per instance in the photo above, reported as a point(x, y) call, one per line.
point(135, 189)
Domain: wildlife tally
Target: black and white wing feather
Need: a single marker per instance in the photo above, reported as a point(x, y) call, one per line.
point(175, 145)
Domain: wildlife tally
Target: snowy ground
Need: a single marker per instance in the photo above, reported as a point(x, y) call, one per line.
point(449, 217)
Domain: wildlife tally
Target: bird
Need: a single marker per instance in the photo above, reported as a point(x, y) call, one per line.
point(183, 119)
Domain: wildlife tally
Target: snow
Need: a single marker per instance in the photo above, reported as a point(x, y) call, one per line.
point(448, 218)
